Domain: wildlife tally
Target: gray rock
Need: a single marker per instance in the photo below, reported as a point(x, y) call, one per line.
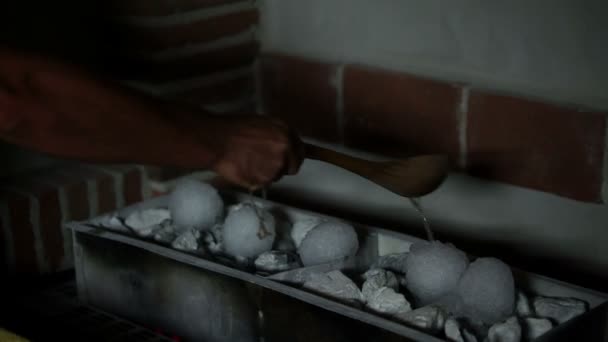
point(507, 331)
point(559, 309)
point(301, 275)
point(386, 301)
point(535, 327)
point(146, 222)
point(111, 222)
point(376, 279)
point(393, 262)
point(213, 239)
point(276, 261)
point(522, 306)
point(166, 233)
point(187, 241)
point(454, 332)
point(429, 318)
point(336, 285)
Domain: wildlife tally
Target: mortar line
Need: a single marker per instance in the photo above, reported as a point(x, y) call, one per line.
point(38, 242)
point(190, 50)
point(227, 107)
point(463, 123)
point(338, 83)
point(8, 236)
point(258, 87)
point(119, 181)
point(92, 195)
point(187, 17)
point(34, 217)
point(68, 258)
point(145, 180)
point(605, 163)
point(66, 216)
point(194, 82)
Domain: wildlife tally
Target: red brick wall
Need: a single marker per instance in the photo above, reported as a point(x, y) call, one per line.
point(34, 207)
point(196, 51)
point(553, 148)
point(173, 47)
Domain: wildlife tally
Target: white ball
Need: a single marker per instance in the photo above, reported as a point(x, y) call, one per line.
point(301, 227)
point(433, 270)
point(195, 205)
point(487, 291)
point(248, 231)
point(327, 242)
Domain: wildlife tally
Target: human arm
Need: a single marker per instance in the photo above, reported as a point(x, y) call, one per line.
point(64, 111)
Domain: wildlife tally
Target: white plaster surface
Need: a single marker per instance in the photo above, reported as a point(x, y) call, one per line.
point(551, 49)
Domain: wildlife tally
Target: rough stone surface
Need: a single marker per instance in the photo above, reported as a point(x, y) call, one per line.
point(336, 285)
point(166, 233)
point(535, 327)
point(213, 239)
point(559, 309)
point(429, 318)
point(111, 222)
point(143, 219)
point(386, 301)
point(507, 331)
point(276, 261)
point(393, 262)
point(522, 306)
point(454, 332)
point(187, 241)
point(376, 279)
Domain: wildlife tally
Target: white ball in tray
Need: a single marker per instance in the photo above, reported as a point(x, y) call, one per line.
point(301, 227)
point(248, 231)
point(327, 242)
point(195, 205)
point(433, 271)
point(487, 291)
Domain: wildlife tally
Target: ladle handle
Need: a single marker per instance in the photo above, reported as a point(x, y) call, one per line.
point(359, 166)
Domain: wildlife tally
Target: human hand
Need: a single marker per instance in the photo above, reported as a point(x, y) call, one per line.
point(254, 151)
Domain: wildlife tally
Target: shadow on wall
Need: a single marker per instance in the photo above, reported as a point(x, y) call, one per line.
point(16, 160)
point(82, 32)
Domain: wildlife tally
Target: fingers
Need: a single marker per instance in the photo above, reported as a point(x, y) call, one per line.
point(259, 151)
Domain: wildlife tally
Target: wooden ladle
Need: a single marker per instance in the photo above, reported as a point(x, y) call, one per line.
point(411, 177)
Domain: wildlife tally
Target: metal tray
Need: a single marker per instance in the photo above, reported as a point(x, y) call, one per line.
point(205, 300)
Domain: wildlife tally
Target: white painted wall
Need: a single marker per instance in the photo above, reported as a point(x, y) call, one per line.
point(555, 49)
